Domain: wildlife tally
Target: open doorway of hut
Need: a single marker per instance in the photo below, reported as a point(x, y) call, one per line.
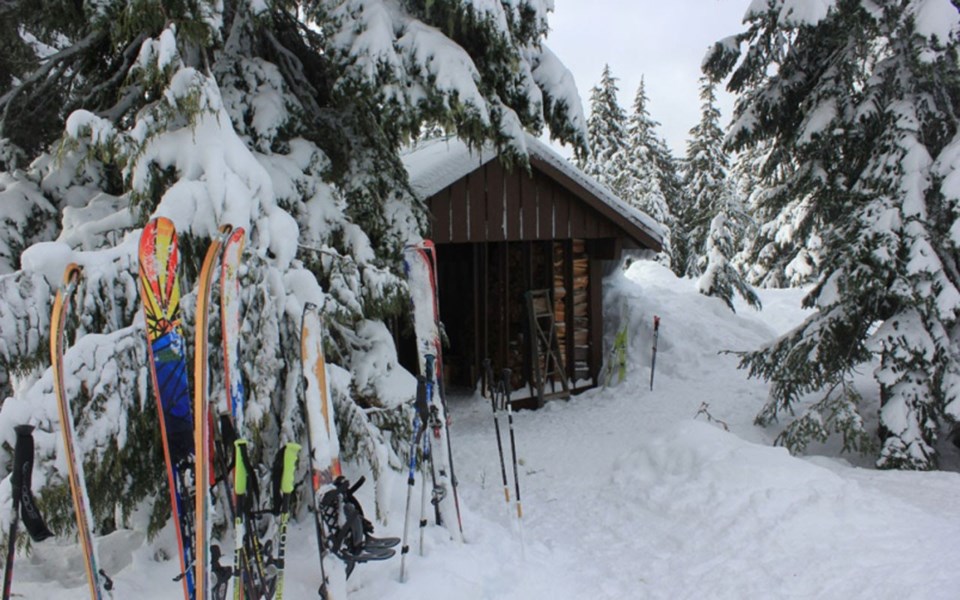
point(483, 308)
point(482, 291)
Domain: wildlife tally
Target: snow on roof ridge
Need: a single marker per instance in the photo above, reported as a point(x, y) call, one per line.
point(637, 217)
point(437, 163)
point(434, 164)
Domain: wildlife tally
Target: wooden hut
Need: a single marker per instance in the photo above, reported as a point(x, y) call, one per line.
point(514, 246)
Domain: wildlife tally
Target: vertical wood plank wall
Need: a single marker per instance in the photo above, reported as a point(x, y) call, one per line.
point(499, 213)
point(492, 204)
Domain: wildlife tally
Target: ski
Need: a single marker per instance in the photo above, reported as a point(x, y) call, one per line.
point(203, 425)
point(24, 506)
point(230, 328)
point(229, 422)
point(420, 263)
point(159, 259)
point(99, 584)
point(242, 492)
point(323, 446)
point(341, 527)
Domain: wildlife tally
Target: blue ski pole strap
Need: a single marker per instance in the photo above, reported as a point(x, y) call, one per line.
point(422, 404)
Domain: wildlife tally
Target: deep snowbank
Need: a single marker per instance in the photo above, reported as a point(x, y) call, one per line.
point(629, 493)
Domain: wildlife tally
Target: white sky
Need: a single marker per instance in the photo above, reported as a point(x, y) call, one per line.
point(663, 41)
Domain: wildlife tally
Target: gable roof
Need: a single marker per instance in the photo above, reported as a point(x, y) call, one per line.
point(436, 164)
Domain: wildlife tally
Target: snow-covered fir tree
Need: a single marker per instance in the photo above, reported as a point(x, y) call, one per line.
point(646, 185)
point(627, 156)
point(714, 221)
point(607, 158)
point(858, 103)
point(784, 247)
point(284, 118)
point(657, 185)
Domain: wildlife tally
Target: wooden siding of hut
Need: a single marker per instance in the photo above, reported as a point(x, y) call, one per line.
point(502, 232)
point(492, 204)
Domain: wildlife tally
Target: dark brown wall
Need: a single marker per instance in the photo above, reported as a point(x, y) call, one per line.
point(492, 204)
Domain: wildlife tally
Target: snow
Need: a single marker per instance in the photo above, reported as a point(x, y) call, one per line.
point(379, 370)
point(627, 492)
point(435, 164)
point(48, 259)
point(793, 12)
point(936, 18)
point(167, 53)
point(551, 74)
point(818, 120)
point(445, 64)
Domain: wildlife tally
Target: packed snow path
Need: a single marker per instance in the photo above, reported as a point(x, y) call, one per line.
point(628, 494)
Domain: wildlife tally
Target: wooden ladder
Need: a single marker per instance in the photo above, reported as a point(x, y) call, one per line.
point(545, 347)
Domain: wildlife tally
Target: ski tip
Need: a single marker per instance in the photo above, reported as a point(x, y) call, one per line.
point(238, 235)
point(71, 271)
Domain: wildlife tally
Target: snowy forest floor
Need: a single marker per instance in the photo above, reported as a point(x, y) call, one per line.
point(629, 493)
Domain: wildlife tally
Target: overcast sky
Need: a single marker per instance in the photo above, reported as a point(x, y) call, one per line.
point(662, 41)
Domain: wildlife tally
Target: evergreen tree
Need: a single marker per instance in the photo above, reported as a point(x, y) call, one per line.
point(607, 132)
point(671, 185)
point(627, 156)
point(714, 221)
point(645, 182)
point(285, 118)
point(658, 186)
point(784, 244)
point(858, 105)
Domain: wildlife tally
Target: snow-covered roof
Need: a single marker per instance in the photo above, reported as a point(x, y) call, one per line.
point(435, 164)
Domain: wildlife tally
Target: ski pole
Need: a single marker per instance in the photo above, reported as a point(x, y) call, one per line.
point(290, 456)
point(653, 361)
point(488, 375)
point(249, 572)
point(245, 554)
point(513, 452)
point(431, 415)
point(240, 492)
point(16, 483)
point(419, 405)
point(424, 458)
point(24, 505)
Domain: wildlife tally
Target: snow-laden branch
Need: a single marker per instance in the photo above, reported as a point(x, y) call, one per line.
point(60, 61)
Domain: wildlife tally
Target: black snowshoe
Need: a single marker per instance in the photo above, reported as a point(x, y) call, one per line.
point(350, 534)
